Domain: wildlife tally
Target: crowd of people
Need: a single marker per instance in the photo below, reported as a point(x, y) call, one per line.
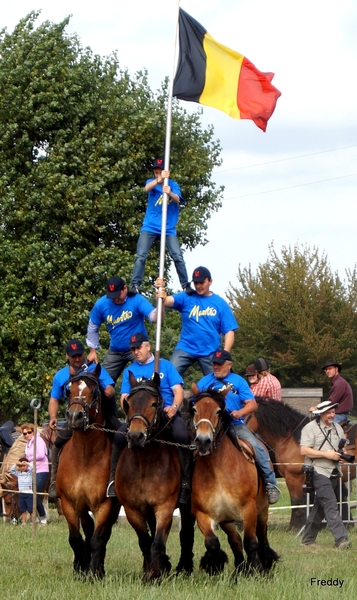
point(207, 334)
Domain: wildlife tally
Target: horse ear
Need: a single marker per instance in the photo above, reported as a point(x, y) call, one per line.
point(125, 406)
point(72, 372)
point(194, 389)
point(156, 379)
point(97, 371)
point(132, 379)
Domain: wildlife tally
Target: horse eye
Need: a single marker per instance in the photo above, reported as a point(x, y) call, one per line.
point(154, 405)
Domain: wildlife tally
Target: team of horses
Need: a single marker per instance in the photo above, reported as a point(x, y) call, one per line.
point(147, 480)
point(147, 484)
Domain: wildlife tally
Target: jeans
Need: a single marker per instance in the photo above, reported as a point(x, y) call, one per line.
point(263, 459)
point(325, 505)
point(145, 241)
point(115, 362)
point(41, 480)
point(341, 417)
point(182, 360)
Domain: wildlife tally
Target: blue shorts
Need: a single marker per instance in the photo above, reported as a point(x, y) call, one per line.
point(25, 502)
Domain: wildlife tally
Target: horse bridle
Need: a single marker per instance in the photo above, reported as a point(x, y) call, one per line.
point(150, 425)
point(215, 430)
point(81, 399)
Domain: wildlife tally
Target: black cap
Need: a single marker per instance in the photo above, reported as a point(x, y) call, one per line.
point(74, 347)
point(331, 363)
point(137, 339)
point(261, 364)
point(158, 163)
point(200, 274)
point(114, 286)
point(220, 357)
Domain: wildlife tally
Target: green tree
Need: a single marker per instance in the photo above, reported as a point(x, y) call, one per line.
point(77, 135)
point(296, 312)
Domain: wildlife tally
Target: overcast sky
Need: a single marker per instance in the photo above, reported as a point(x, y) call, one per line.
point(294, 184)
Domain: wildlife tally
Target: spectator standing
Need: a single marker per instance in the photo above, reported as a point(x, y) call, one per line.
point(23, 472)
point(42, 468)
point(320, 447)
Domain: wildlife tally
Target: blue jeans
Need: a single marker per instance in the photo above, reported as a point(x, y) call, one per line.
point(145, 241)
point(341, 417)
point(41, 480)
point(182, 360)
point(263, 460)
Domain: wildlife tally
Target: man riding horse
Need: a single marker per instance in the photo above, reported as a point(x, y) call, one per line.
point(171, 388)
point(76, 365)
point(240, 403)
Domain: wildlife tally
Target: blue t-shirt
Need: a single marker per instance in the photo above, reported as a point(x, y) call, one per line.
point(236, 398)
point(168, 378)
point(122, 320)
point(204, 319)
point(63, 376)
point(153, 215)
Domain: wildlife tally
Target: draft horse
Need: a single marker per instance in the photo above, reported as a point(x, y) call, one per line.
point(82, 476)
point(227, 489)
point(279, 426)
point(147, 481)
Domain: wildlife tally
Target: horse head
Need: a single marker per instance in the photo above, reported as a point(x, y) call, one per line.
point(207, 414)
point(83, 399)
point(143, 409)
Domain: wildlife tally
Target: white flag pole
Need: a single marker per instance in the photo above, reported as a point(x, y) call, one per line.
point(165, 198)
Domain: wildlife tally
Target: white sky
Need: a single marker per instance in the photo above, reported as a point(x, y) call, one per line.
point(297, 182)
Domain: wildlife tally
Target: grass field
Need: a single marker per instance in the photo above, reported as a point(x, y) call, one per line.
point(40, 567)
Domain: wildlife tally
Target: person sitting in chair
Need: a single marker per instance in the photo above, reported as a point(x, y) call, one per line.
point(240, 403)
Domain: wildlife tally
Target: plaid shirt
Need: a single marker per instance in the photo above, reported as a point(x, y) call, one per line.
point(267, 387)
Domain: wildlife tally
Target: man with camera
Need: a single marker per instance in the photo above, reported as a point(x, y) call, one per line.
point(321, 443)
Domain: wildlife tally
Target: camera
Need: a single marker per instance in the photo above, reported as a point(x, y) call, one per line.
point(346, 457)
point(308, 486)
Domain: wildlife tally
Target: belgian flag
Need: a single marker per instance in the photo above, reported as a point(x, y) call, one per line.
point(212, 74)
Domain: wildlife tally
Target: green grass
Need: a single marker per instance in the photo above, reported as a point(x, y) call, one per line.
point(40, 567)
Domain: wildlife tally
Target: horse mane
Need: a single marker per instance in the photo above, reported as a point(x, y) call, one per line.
point(279, 419)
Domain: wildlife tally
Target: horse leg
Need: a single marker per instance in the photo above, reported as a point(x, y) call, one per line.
point(249, 514)
point(105, 519)
point(81, 559)
point(268, 557)
point(215, 558)
point(235, 542)
point(294, 484)
point(160, 563)
point(187, 534)
point(139, 524)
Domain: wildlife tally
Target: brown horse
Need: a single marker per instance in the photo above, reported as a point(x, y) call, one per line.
point(83, 474)
point(226, 489)
point(147, 481)
point(279, 426)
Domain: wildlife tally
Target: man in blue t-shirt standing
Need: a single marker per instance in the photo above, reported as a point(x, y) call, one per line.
point(240, 403)
point(76, 365)
point(151, 228)
point(123, 315)
point(205, 317)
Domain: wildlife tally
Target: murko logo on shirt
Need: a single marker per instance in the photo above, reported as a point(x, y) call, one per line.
point(207, 312)
point(125, 316)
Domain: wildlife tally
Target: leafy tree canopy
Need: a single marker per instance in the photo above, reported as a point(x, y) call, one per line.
point(296, 312)
point(77, 137)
